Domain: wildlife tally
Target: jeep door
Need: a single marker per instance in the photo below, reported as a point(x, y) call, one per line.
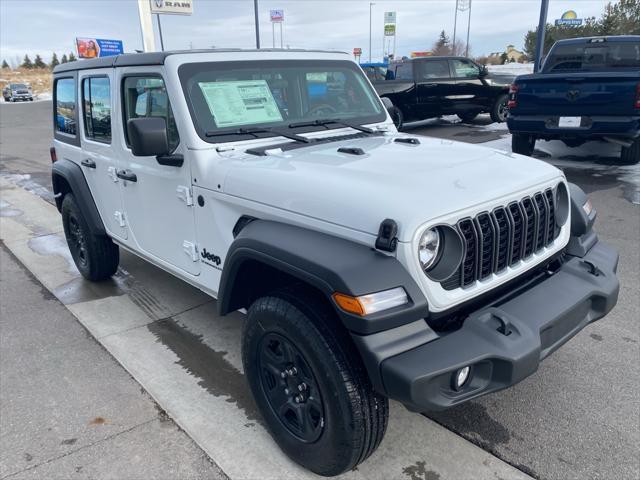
point(157, 198)
point(435, 87)
point(97, 158)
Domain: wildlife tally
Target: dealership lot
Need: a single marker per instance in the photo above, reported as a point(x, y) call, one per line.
point(576, 418)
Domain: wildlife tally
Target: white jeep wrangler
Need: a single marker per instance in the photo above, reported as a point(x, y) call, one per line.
point(372, 264)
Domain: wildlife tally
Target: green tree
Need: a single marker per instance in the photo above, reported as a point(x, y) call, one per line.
point(621, 18)
point(504, 58)
point(553, 33)
point(72, 57)
point(442, 45)
point(27, 63)
point(64, 58)
point(5, 65)
point(38, 63)
point(54, 61)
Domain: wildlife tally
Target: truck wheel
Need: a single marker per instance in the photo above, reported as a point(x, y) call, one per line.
point(631, 155)
point(499, 111)
point(522, 143)
point(309, 383)
point(397, 117)
point(467, 116)
point(96, 256)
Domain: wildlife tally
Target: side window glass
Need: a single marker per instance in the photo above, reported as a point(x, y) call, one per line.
point(434, 69)
point(147, 97)
point(96, 105)
point(66, 106)
point(404, 72)
point(465, 69)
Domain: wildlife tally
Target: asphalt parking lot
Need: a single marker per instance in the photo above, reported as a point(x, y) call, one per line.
point(577, 417)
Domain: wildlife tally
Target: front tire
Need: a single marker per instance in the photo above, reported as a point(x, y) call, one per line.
point(631, 155)
point(523, 143)
point(95, 256)
point(309, 383)
point(397, 117)
point(500, 111)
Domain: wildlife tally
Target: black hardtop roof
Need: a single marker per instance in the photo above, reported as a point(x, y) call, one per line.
point(158, 58)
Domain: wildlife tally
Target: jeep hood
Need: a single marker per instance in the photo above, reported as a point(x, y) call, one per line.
point(411, 184)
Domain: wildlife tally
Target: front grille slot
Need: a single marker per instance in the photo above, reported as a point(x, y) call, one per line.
point(496, 240)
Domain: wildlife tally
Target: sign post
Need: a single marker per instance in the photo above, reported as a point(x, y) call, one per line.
point(277, 16)
point(146, 26)
point(544, 8)
point(357, 53)
point(162, 7)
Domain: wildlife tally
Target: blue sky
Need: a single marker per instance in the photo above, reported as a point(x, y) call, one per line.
point(29, 26)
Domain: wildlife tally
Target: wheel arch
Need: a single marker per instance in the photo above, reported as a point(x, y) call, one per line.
point(266, 255)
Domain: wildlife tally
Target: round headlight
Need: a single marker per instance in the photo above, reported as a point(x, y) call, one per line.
point(428, 248)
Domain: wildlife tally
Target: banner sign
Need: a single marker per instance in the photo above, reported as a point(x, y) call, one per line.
point(98, 47)
point(277, 16)
point(569, 18)
point(172, 7)
point(389, 30)
point(389, 17)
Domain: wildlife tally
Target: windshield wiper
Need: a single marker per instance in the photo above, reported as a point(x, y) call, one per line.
point(323, 122)
point(255, 131)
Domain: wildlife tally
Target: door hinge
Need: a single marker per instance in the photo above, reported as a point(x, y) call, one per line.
point(184, 194)
point(120, 218)
point(190, 249)
point(113, 173)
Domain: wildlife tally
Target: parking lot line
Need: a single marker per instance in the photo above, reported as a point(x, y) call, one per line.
point(170, 338)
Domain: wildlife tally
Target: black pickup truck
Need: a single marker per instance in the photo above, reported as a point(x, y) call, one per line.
point(422, 88)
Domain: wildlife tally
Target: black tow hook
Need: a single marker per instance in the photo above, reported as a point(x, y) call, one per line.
point(591, 268)
point(505, 326)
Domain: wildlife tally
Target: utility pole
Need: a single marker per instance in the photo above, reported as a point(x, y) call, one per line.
point(455, 28)
point(371, 4)
point(255, 13)
point(466, 51)
point(542, 25)
point(160, 33)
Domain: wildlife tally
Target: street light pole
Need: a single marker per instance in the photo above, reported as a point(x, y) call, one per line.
point(542, 25)
point(255, 12)
point(371, 4)
point(160, 32)
point(455, 28)
point(466, 51)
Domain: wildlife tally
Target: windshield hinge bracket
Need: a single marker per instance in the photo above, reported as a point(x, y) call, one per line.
point(184, 194)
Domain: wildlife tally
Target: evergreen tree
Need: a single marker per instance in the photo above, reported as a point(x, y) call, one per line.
point(27, 63)
point(54, 61)
point(72, 57)
point(64, 58)
point(38, 63)
point(5, 65)
point(442, 45)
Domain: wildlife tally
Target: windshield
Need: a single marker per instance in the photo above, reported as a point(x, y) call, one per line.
point(17, 86)
point(227, 97)
point(593, 56)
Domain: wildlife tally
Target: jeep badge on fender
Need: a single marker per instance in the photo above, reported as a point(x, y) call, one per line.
point(371, 265)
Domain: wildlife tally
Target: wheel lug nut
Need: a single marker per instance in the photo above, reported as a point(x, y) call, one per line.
point(284, 374)
point(302, 387)
point(287, 391)
point(299, 398)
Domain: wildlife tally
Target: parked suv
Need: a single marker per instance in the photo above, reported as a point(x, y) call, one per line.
point(429, 87)
point(372, 265)
point(17, 91)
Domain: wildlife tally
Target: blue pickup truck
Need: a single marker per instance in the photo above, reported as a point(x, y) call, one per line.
point(588, 89)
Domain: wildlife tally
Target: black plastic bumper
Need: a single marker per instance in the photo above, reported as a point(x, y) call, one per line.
point(503, 343)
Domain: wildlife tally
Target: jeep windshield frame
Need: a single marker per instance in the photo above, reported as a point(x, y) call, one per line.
point(263, 98)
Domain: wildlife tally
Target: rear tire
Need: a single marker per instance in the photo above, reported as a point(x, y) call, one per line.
point(345, 418)
point(500, 111)
point(523, 143)
point(468, 116)
point(631, 155)
point(96, 256)
point(397, 117)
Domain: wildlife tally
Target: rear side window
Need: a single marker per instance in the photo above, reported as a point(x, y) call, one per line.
point(65, 92)
point(147, 97)
point(594, 56)
point(433, 69)
point(96, 105)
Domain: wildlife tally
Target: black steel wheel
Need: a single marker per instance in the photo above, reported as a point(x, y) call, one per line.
point(309, 382)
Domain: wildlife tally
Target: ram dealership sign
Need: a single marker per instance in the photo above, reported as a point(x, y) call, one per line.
point(172, 7)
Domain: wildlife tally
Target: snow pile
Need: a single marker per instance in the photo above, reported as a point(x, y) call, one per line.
point(512, 68)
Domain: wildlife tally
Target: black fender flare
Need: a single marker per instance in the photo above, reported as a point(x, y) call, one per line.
point(72, 174)
point(328, 263)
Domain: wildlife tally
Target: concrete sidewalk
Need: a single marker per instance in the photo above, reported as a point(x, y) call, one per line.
point(67, 408)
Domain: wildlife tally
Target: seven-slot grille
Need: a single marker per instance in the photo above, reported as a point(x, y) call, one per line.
point(500, 238)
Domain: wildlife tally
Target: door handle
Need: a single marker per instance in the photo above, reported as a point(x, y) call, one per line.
point(127, 175)
point(87, 162)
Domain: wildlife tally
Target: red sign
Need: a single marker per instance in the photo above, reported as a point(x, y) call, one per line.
point(357, 51)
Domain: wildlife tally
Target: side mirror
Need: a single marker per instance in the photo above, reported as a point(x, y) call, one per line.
point(148, 136)
point(484, 71)
point(388, 104)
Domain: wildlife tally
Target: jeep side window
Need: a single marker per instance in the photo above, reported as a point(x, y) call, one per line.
point(66, 106)
point(147, 97)
point(96, 105)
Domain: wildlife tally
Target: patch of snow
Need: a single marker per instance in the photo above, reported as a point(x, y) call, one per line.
point(43, 96)
point(512, 68)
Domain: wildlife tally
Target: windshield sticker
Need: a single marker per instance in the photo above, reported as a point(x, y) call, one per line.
point(241, 102)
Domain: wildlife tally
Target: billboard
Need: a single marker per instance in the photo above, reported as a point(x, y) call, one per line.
point(277, 16)
point(98, 47)
point(389, 17)
point(569, 17)
point(172, 7)
point(389, 30)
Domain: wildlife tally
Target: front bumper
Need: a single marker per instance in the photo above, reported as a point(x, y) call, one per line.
point(592, 127)
point(503, 343)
